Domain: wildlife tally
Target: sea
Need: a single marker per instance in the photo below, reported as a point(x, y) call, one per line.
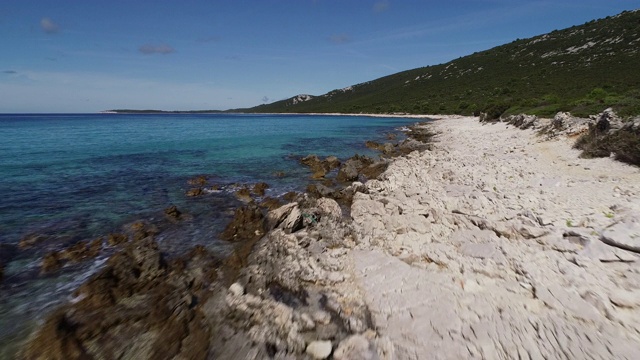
point(66, 178)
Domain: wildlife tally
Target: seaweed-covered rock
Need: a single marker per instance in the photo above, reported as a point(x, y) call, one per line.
point(270, 203)
point(248, 223)
point(137, 306)
point(194, 192)
point(172, 212)
point(243, 194)
point(260, 188)
point(199, 180)
point(30, 240)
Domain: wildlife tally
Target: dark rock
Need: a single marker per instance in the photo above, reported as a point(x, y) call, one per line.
point(31, 240)
point(374, 170)
point(244, 194)
point(319, 190)
point(259, 188)
point(311, 160)
point(331, 162)
point(7, 252)
point(319, 173)
point(270, 203)
point(351, 168)
point(279, 174)
point(200, 181)
point(421, 133)
point(136, 307)
point(50, 262)
point(247, 224)
point(140, 230)
point(320, 167)
point(116, 239)
point(194, 192)
point(172, 212)
point(348, 172)
point(290, 196)
point(81, 251)
point(374, 145)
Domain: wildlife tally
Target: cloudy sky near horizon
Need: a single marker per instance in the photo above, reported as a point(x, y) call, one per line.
point(91, 55)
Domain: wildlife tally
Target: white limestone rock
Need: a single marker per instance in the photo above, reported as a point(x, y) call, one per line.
point(319, 349)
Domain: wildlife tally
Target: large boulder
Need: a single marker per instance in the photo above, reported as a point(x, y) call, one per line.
point(561, 120)
point(329, 207)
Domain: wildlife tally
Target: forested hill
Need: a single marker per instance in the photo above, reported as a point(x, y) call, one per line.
point(582, 69)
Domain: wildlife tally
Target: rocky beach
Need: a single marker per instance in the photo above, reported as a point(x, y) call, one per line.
point(469, 239)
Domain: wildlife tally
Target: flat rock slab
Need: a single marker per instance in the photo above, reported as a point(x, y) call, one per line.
point(625, 233)
point(492, 245)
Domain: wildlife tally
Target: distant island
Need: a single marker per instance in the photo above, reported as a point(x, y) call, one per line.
point(153, 111)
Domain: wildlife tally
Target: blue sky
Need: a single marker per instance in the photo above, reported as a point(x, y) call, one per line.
point(89, 55)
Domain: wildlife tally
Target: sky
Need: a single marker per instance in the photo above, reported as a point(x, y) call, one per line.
point(90, 55)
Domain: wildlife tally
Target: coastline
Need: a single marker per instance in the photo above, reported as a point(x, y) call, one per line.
point(513, 237)
point(507, 232)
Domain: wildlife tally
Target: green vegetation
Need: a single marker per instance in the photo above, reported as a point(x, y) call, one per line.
point(624, 144)
point(583, 69)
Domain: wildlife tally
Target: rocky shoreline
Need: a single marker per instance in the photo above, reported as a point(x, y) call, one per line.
point(491, 242)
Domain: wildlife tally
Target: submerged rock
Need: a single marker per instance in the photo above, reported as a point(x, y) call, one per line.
point(200, 181)
point(244, 194)
point(319, 167)
point(172, 212)
point(259, 188)
point(50, 262)
point(194, 192)
point(31, 240)
point(82, 250)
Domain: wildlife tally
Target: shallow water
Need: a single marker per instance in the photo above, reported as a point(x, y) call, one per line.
point(81, 176)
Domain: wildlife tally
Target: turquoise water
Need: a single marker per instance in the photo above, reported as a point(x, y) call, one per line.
point(81, 176)
point(88, 171)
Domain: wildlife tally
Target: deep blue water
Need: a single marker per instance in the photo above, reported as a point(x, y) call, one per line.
point(80, 176)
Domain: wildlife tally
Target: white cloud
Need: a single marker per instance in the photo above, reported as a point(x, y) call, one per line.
point(49, 26)
point(381, 6)
point(339, 38)
point(149, 49)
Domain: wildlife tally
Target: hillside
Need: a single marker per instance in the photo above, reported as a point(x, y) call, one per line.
point(582, 69)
